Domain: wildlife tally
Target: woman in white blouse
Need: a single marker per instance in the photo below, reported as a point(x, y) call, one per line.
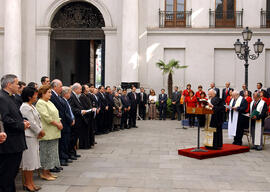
point(152, 105)
point(30, 158)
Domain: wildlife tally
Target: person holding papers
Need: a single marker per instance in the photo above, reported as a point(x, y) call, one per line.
point(217, 105)
point(258, 110)
point(237, 119)
point(88, 138)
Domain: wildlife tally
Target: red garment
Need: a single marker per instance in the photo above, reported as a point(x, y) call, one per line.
point(198, 94)
point(249, 100)
point(191, 101)
point(266, 100)
point(228, 100)
point(186, 92)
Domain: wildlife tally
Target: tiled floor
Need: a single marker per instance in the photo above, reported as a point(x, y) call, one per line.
point(146, 160)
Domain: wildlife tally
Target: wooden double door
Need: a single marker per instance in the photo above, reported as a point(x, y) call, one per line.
point(175, 13)
point(225, 14)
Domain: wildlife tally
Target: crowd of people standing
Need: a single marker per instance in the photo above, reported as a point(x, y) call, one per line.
point(42, 127)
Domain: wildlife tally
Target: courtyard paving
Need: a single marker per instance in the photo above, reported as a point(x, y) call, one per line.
point(146, 160)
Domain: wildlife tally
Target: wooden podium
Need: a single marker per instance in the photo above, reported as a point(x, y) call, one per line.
point(199, 111)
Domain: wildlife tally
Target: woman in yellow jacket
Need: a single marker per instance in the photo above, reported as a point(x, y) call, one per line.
point(52, 127)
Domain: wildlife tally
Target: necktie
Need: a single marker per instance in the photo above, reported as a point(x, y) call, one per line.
point(254, 106)
point(71, 113)
point(142, 96)
point(233, 104)
point(103, 96)
point(134, 95)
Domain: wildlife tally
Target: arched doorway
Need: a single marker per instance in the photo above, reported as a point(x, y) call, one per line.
point(78, 44)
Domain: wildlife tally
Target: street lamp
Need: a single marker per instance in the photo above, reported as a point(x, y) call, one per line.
point(242, 50)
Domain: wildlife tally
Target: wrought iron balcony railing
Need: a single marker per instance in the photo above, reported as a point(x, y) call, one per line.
point(175, 18)
point(228, 19)
point(265, 19)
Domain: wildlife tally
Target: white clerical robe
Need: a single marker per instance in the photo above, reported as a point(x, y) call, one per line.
point(258, 124)
point(233, 119)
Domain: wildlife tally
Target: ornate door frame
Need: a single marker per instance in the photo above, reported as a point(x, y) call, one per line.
point(77, 21)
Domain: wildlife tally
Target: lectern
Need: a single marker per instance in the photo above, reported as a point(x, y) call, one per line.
point(198, 111)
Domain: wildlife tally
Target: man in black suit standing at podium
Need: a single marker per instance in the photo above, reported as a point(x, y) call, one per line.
point(14, 125)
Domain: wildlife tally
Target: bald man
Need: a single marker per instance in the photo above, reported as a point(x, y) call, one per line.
point(217, 105)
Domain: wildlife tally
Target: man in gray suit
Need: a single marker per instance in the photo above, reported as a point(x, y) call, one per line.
point(176, 96)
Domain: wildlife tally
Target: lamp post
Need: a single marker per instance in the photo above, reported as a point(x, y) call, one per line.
point(243, 52)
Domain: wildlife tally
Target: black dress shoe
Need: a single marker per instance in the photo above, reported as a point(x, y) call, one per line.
point(69, 161)
point(63, 164)
point(59, 168)
point(78, 156)
point(73, 157)
point(54, 170)
point(95, 142)
point(135, 126)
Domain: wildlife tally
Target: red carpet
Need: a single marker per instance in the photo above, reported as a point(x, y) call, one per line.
point(227, 149)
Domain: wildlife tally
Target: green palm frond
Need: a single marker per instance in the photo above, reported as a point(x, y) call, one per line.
point(169, 68)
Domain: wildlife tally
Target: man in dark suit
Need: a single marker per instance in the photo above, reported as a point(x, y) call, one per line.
point(213, 86)
point(65, 94)
point(87, 140)
point(259, 88)
point(66, 121)
point(176, 96)
point(14, 125)
point(142, 98)
point(18, 97)
point(133, 98)
point(103, 109)
point(162, 98)
point(78, 112)
point(226, 91)
point(216, 119)
point(45, 80)
point(109, 112)
point(96, 104)
point(125, 109)
point(244, 88)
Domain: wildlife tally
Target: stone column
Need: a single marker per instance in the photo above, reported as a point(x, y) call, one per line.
point(130, 41)
point(12, 39)
point(92, 62)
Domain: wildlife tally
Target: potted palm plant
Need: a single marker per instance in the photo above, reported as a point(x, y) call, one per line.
point(169, 69)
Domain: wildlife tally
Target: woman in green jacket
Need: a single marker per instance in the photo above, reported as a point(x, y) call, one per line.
point(52, 127)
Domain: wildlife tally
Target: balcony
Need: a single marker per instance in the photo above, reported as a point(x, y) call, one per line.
point(265, 19)
point(228, 19)
point(170, 19)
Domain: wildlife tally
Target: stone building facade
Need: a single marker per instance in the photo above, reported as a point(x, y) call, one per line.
point(123, 39)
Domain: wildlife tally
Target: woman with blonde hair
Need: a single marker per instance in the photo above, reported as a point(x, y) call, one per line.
point(152, 99)
point(52, 127)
